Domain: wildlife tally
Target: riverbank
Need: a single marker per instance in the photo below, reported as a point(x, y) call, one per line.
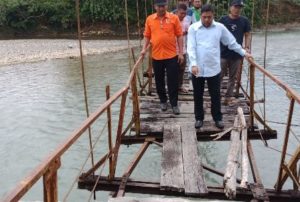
point(33, 50)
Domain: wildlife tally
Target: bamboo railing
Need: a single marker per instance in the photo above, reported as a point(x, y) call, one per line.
point(285, 169)
point(49, 167)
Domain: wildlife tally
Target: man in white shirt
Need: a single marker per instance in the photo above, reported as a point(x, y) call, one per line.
point(203, 49)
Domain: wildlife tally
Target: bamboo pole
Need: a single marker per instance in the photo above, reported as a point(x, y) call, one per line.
point(119, 133)
point(109, 128)
point(50, 182)
point(83, 79)
point(136, 107)
point(252, 88)
point(285, 143)
point(245, 162)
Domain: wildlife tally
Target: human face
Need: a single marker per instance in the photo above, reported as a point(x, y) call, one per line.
point(197, 4)
point(235, 11)
point(181, 14)
point(207, 18)
point(161, 10)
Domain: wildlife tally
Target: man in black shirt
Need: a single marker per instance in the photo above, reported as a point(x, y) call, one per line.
point(239, 26)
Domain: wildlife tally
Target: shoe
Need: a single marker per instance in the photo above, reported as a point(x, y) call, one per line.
point(230, 101)
point(198, 124)
point(163, 106)
point(219, 124)
point(176, 110)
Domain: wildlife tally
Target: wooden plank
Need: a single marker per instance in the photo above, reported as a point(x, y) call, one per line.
point(258, 190)
point(153, 188)
point(152, 199)
point(194, 182)
point(131, 167)
point(232, 162)
point(158, 127)
point(171, 163)
point(188, 109)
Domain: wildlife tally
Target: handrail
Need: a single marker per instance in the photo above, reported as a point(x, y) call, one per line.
point(21, 189)
point(284, 170)
point(292, 93)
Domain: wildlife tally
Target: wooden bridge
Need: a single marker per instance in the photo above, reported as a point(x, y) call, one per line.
point(181, 166)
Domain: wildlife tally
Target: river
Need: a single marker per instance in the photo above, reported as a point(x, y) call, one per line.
point(42, 102)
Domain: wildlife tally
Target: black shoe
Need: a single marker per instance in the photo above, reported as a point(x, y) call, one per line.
point(163, 106)
point(176, 110)
point(219, 124)
point(198, 124)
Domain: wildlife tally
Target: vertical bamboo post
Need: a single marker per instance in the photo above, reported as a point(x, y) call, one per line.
point(109, 127)
point(252, 88)
point(150, 72)
point(135, 103)
point(83, 78)
point(294, 170)
point(50, 182)
point(285, 143)
point(119, 132)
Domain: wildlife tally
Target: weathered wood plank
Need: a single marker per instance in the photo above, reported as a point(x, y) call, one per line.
point(171, 163)
point(232, 162)
point(158, 127)
point(152, 199)
point(194, 182)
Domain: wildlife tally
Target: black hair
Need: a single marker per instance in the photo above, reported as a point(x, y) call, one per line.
point(182, 6)
point(207, 8)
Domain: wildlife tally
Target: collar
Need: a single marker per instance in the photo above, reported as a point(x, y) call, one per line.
point(167, 15)
point(195, 9)
point(199, 24)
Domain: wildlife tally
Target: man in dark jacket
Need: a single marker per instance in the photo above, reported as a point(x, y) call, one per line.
point(239, 26)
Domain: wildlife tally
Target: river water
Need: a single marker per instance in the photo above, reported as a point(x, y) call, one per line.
point(42, 102)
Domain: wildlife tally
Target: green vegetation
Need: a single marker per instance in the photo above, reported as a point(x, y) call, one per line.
point(59, 15)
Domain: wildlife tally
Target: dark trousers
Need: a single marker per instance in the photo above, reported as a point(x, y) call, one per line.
point(170, 66)
point(213, 84)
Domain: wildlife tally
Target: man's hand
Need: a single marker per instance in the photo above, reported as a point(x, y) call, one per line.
point(248, 55)
point(195, 70)
point(247, 50)
point(143, 52)
point(180, 58)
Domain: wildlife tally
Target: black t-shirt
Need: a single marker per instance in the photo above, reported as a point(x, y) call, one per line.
point(238, 27)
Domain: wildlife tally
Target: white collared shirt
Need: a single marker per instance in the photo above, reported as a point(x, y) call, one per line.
point(203, 47)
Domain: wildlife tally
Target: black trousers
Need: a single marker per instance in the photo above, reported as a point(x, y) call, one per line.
point(170, 66)
point(213, 84)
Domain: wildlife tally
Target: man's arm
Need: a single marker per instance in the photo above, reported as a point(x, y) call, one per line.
point(247, 41)
point(191, 50)
point(227, 39)
point(180, 51)
point(145, 46)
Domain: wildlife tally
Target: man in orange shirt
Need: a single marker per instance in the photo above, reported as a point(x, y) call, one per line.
point(163, 30)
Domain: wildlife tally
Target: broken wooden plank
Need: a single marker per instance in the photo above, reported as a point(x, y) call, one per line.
point(232, 162)
point(171, 163)
point(194, 182)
